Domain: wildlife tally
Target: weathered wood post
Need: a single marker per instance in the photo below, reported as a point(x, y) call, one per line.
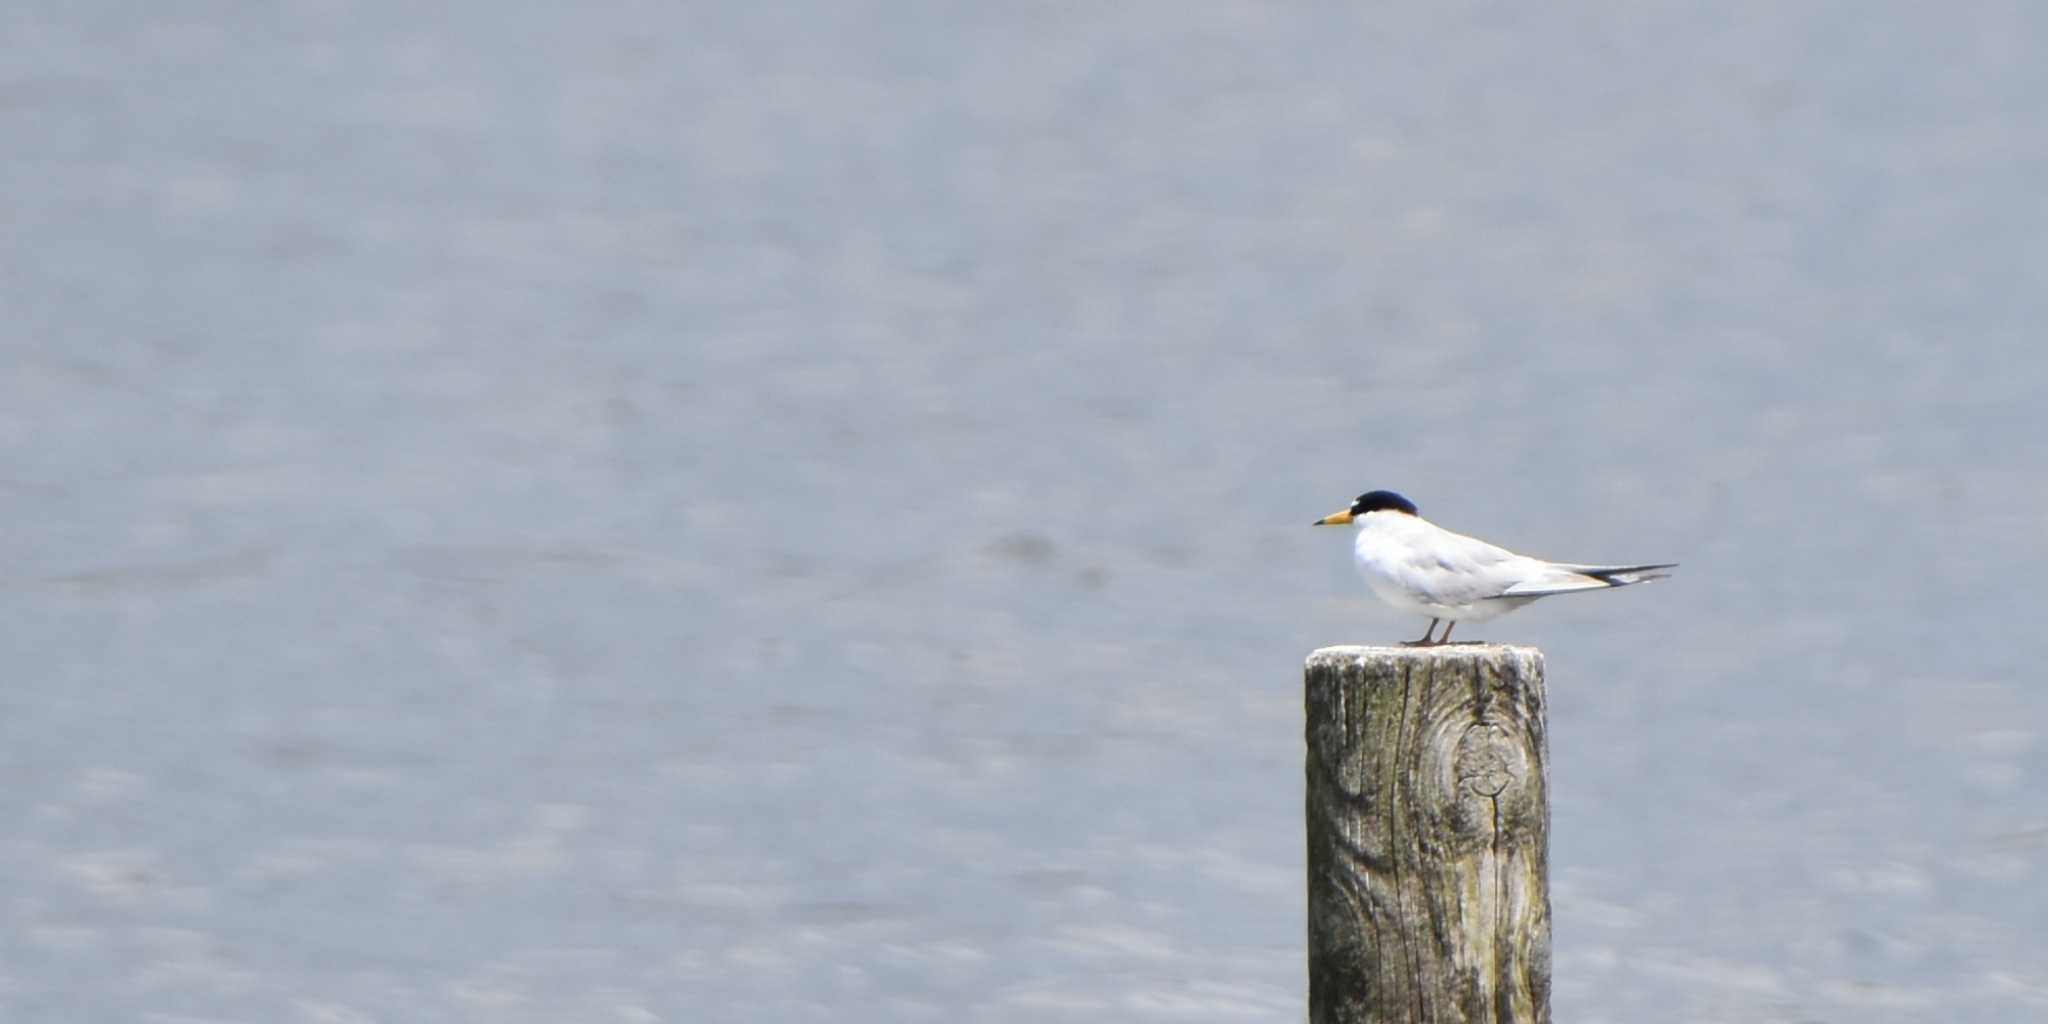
point(1428, 836)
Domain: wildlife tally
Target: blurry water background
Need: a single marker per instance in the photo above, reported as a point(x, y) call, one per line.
point(730, 513)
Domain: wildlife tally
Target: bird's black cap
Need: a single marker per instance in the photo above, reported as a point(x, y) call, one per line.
point(1381, 501)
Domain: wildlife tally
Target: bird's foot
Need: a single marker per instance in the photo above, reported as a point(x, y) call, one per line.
point(1427, 634)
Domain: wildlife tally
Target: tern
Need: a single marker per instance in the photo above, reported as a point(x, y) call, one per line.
point(1416, 565)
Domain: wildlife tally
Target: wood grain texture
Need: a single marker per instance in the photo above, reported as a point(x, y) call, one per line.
point(1428, 836)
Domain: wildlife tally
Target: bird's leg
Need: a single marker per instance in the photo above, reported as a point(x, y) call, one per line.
point(1446, 638)
point(1426, 641)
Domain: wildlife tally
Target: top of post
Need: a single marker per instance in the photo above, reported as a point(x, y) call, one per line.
point(1395, 653)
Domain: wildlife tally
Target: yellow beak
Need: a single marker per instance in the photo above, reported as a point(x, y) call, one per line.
point(1334, 519)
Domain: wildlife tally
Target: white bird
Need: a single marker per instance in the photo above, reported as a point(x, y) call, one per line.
point(1416, 565)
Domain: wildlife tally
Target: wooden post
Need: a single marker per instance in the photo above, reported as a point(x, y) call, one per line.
point(1428, 836)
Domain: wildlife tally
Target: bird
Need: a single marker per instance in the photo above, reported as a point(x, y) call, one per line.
point(1416, 565)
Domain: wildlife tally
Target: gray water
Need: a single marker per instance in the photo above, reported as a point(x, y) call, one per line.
point(726, 513)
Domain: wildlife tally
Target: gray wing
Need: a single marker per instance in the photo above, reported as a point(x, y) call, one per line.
point(1461, 570)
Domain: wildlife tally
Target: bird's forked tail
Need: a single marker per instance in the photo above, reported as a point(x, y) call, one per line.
point(1622, 575)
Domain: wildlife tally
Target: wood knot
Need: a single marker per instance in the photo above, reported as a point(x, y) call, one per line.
point(1489, 760)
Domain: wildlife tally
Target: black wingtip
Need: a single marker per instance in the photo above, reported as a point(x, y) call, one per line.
point(1625, 575)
